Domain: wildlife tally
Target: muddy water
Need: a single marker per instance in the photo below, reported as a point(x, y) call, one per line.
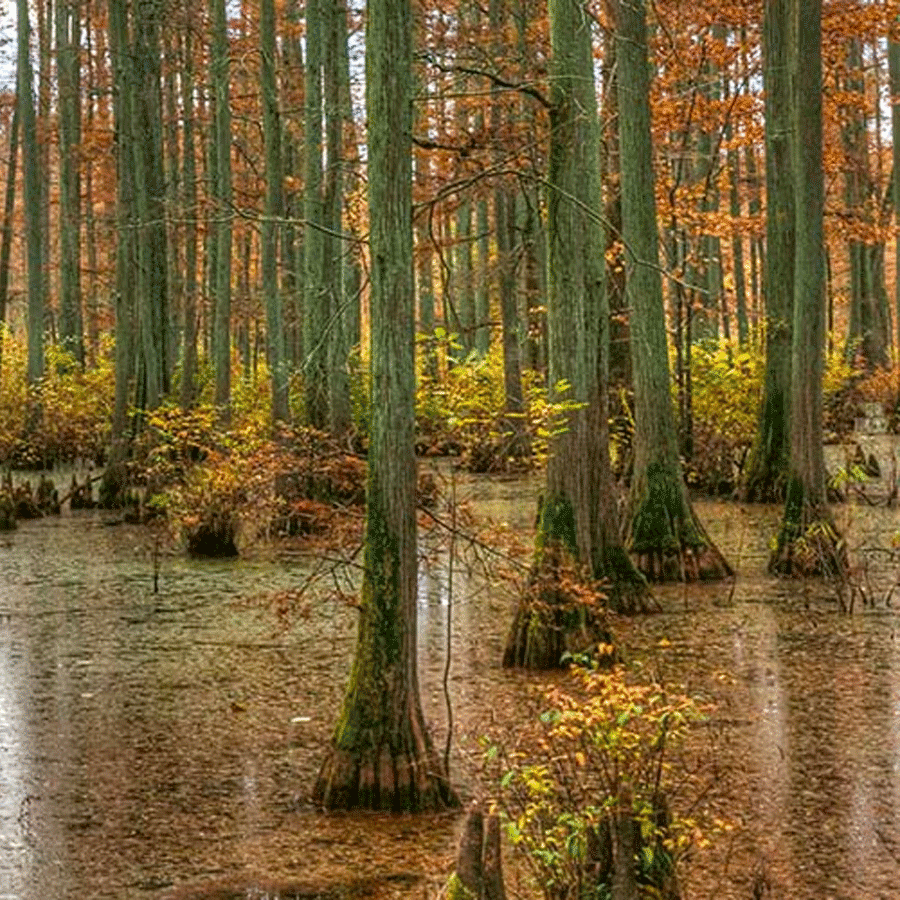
point(161, 745)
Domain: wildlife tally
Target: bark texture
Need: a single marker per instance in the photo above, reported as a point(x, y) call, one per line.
point(808, 541)
point(381, 755)
point(663, 534)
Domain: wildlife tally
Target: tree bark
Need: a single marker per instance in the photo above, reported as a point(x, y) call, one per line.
point(67, 43)
point(9, 202)
point(663, 533)
point(577, 526)
point(31, 197)
point(808, 541)
point(274, 209)
point(381, 755)
point(767, 465)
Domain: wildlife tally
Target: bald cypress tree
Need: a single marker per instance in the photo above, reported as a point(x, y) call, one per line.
point(767, 467)
point(381, 756)
point(665, 536)
point(577, 526)
point(808, 541)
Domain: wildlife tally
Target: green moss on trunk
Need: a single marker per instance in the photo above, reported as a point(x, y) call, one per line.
point(559, 613)
point(808, 542)
point(665, 537)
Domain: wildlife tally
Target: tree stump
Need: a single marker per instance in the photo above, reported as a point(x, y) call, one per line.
point(479, 865)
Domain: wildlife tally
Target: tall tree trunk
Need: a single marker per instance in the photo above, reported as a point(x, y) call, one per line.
point(504, 226)
point(577, 527)
point(315, 293)
point(126, 238)
point(767, 467)
point(223, 195)
point(808, 541)
point(381, 754)
point(9, 202)
point(67, 44)
point(894, 69)
point(150, 205)
point(274, 210)
point(31, 199)
point(190, 206)
point(663, 532)
point(334, 19)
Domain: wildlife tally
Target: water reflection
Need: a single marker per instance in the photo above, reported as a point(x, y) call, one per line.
point(162, 746)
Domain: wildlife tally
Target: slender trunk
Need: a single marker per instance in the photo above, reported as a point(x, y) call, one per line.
point(315, 293)
point(223, 196)
point(190, 207)
point(894, 70)
point(67, 41)
point(274, 209)
point(9, 200)
point(767, 466)
point(334, 17)
point(31, 198)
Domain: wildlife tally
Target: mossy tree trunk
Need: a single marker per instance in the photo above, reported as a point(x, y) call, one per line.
point(808, 542)
point(577, 527)
point(663, 533)
point(381, 755)
point(767, 466)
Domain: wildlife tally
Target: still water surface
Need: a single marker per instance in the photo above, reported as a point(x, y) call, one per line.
point(161, 745)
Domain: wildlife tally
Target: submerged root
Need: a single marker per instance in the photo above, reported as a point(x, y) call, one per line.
point(818, 550)
point(383, 778)
point(558, 617)
point(687, 564)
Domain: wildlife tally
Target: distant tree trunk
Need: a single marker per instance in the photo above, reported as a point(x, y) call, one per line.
point(274, 209)
point(334, 23)
point(463, 269)
point(737, 239)
point(381, 754)
point(350, 254)
point(31, 199)
point(126, 238)
point(663, 533)
point(577, 527)
point(619, 351)
point(504, 225)
point(766, 476)
point(222, 191)
point(43, 88)
point(894, 69)
point(808, 541)
point(9, 202)
point(869, 331)
point(424, 258)
point(189, 201)
point(68, 69)
point(483, 291)
point(150, 205)
point(315, 294)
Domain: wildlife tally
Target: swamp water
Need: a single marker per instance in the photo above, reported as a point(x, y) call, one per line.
point(161, 745)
